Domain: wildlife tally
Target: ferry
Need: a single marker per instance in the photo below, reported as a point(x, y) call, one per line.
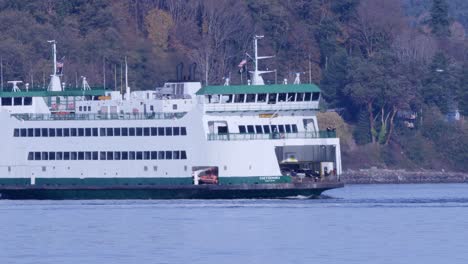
point(179, 141)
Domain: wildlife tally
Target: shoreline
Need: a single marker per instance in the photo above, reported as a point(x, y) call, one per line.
point(385, 176)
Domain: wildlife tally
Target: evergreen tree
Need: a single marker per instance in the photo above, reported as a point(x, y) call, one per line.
point(361, 132)
point(440, 22)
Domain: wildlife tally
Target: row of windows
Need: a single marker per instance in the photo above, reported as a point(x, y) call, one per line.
point(109, 155)
point(267, 129)
point(16, 101)
point(103, 131)
point(263, 98)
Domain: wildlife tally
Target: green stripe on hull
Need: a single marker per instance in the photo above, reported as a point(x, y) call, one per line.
point(112, 181)
point(254, 180)
point(138, 181)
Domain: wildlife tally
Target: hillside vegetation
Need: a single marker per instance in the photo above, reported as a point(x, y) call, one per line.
point(394, 69)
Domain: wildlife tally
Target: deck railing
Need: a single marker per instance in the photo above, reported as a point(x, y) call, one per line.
point(272, 136)
point(84, 117)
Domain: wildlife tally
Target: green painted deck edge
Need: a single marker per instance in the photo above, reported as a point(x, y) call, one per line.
point(256, 89)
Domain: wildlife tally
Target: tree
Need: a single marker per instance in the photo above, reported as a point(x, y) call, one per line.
point(440, 21)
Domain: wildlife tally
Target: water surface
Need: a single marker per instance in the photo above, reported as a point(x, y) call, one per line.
point(357, 224)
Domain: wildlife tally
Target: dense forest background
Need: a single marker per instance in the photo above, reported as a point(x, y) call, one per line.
point(396, 71)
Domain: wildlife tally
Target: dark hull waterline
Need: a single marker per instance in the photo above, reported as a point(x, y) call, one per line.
point(242, 191)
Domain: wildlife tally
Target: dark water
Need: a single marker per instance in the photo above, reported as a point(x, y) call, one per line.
point(357, 224)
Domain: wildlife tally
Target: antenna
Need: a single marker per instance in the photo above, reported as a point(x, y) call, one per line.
point(257, 78)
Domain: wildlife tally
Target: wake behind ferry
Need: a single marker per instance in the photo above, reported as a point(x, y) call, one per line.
point(179, 141)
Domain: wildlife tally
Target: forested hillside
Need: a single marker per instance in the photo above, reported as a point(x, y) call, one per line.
point(395, 69)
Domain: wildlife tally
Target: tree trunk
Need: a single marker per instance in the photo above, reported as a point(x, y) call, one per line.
point(394, 111)
point(371, 121)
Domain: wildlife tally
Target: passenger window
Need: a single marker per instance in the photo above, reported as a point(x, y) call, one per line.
point(102, 132)
point(183, 155)
point(146, 155)
point(315, 96)
point(66, 156)
point(73, 132)
point(88, 132)
point(131, 131)
point(59, 132)
point(250, 98)
point(37, 132)
point(80, 155)
point(30, 132)
point(30, 156)
point(161, 131)
point(80, 108)
point(18, 101)
point(117, 131)
point(28, 101)
point(274, 129)
point(124, 131)
point(294, 128)
point(66, 132)
point(139, 131)
point(51, 132)
point(45, 156)
point(110, 155)
point(95, 132)
point(242, 130)
point(110, 132)
point(146, 131)
point(176, 131)
point(288, 128)
point(291, 97)
point(259, 129)
point(102, 155)
point(45, 132)
point(88, 155)
point(154, 131)
point(16, 132)
point(300, 97)
point(239, 98)
point(282, 97)
point(59, 156)
point(160, 155)
point(51, 155)
point(183, 131)
point(95, 155)
point(227, 97)
point(272, 98)
point(124, 155)
point(37, 156)
point(261, 98)
point(80, 132)
point(266, 129)
point(117, 155)
point(24, 132)
point(168, 131)
point(168, 155)
point(131, 155)
point(154, 155)
point(176, 155)
point(250, 129)
point(139, 155)
point(307, 97)
point(281, 128)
